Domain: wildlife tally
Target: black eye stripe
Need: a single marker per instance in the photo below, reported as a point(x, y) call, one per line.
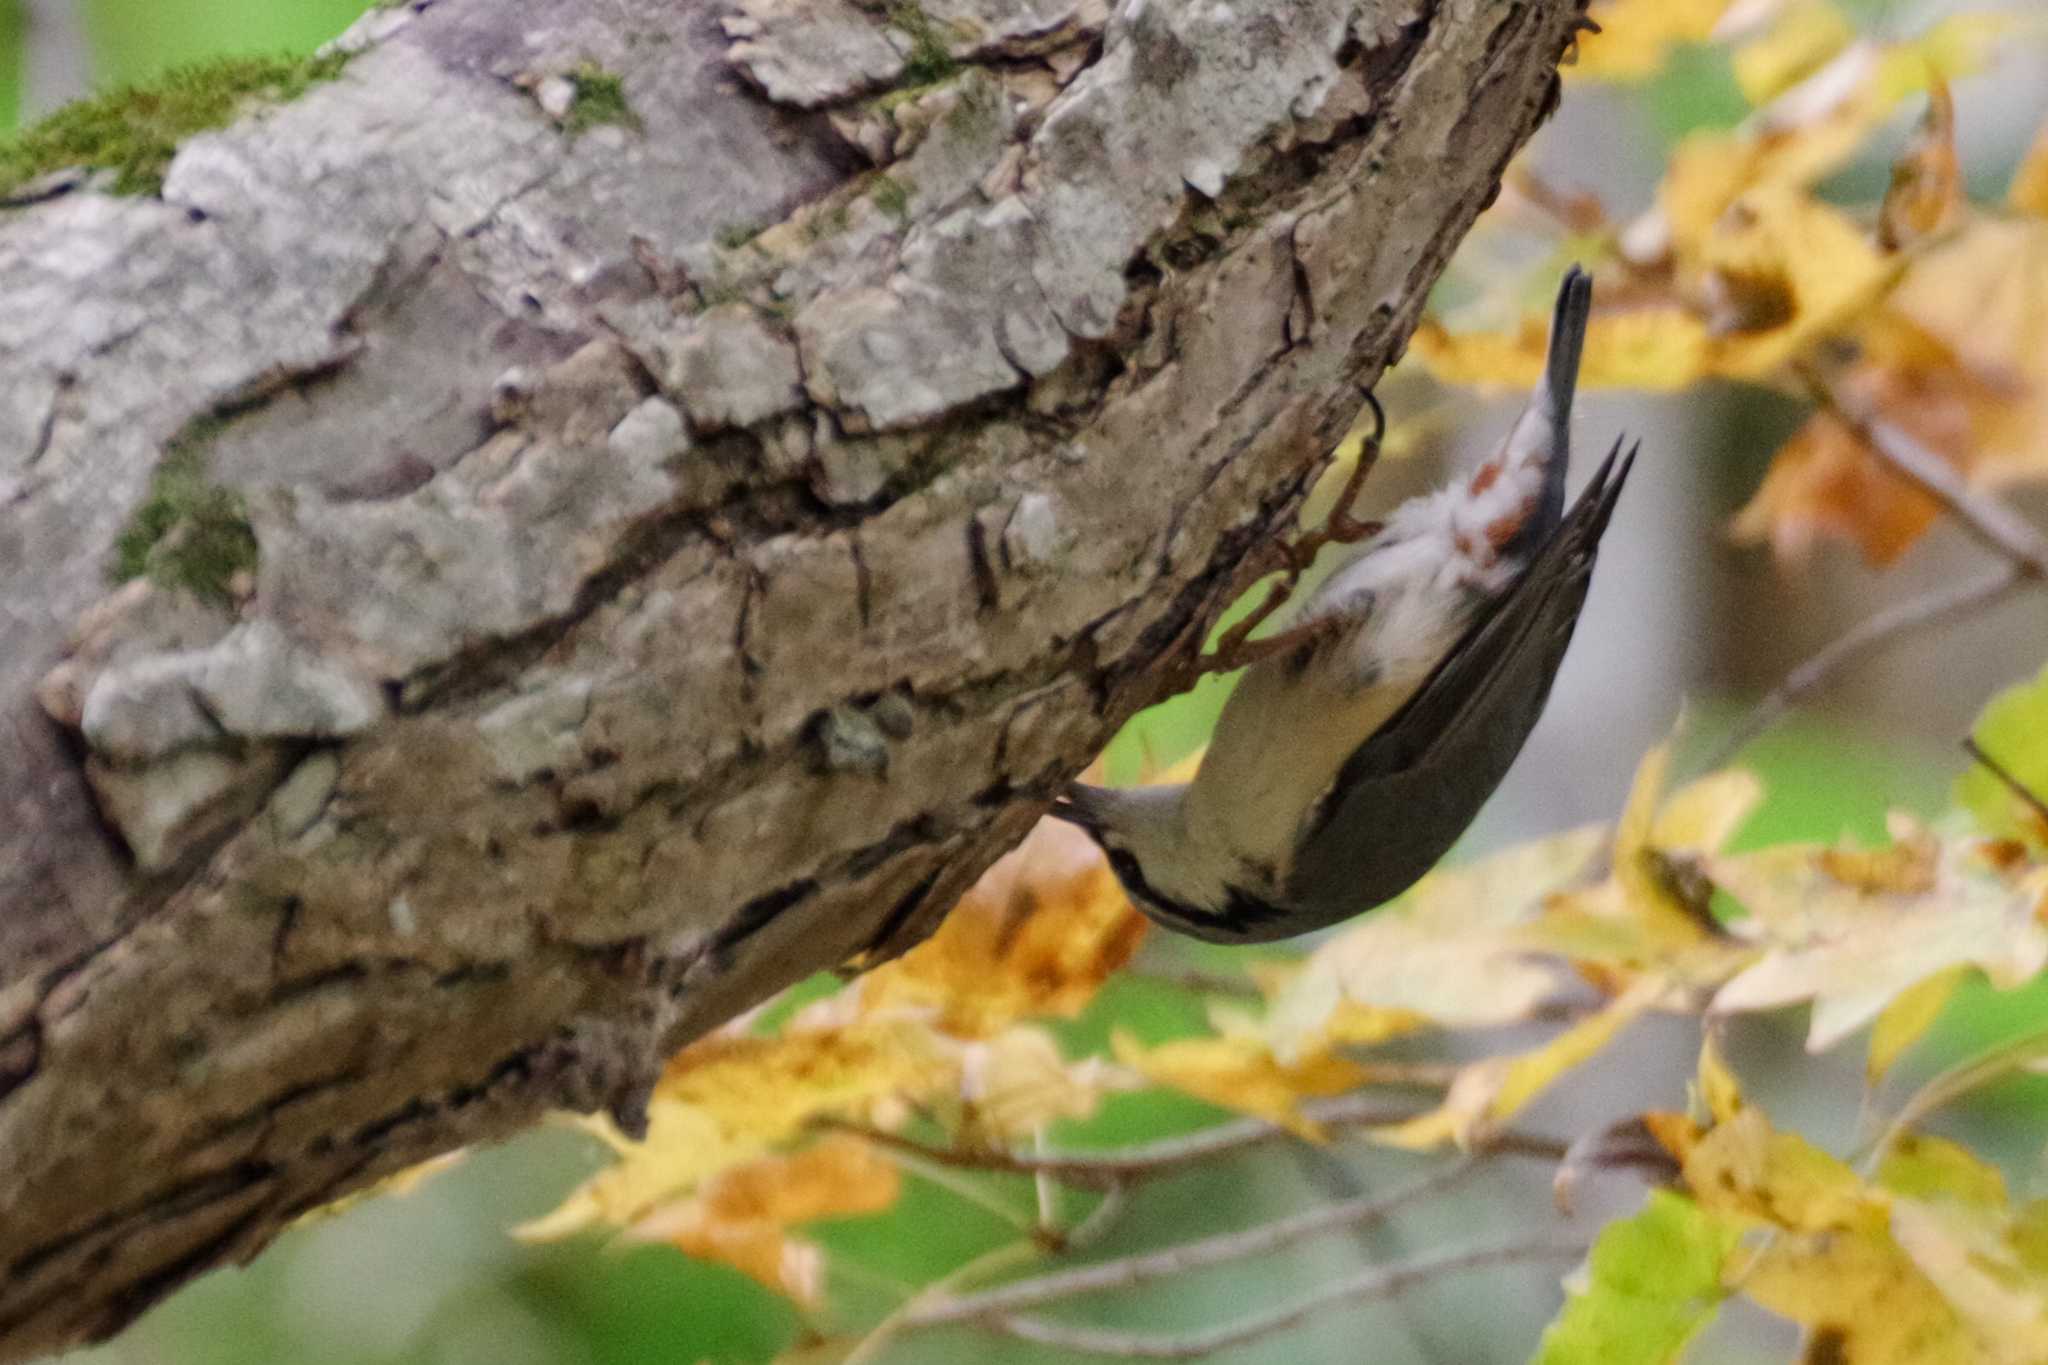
point(1240, 907)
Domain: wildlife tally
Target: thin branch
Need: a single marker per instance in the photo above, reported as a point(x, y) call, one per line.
point(2027, 795)
point(1970, 1074)
point(1934, 608)
point(1097, 1224)
point(1128, 1272)
point(1990, 519)
point(989, 1263)
point(1096, 1170)
point(1198, 982)
point(1371, 1284)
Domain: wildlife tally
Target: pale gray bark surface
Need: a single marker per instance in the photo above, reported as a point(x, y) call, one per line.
point(684, 554)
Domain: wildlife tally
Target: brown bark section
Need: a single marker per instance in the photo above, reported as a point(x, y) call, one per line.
point(689, 549)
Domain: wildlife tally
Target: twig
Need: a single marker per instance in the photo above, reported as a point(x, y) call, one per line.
point(1198, 982)
point(1988, 519)
point(1951, 1084)
point(1001, 1258)
point(1128, 1272)
point(2026, 794)
point(1099, 1221)
point(1371, 1284)
point(1933, 608)
point(1991, 520)
point(1097, 1170)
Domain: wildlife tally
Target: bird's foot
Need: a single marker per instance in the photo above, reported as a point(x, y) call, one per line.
point(1237, 649)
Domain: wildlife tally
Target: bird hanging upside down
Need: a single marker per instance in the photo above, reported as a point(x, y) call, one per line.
point(1365, 738)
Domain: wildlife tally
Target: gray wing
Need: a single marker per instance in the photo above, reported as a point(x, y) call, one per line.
point(1406, 794)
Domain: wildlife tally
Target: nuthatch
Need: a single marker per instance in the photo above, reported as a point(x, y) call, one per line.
point(1351, 757)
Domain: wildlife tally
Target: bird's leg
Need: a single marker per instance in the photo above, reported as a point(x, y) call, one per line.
point(1340, 527)
point(1237, 649)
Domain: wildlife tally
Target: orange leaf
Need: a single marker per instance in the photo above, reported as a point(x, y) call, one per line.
point(1037, 935)
point(2028, 192)
point(1926, 186)
point(1240, 1074)
point(741, 1216)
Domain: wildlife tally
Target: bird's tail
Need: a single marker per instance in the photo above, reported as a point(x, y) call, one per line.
point(1516, 499)
point(1560, 385)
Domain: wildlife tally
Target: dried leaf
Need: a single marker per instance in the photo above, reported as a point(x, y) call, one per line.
point(1781, 270)
point(732, 1099)
point(1926, 188)
point(1720, 1093)
point(1907, 1018)
point(1439, 952)
point(1656, 346)
point(1017, 1083)
point(1489, 1092)
point(1853, 946)
point(1242, 1075)
point(2028, 192)
point(1965, 1253)
point(1802, 37)
point(742, 1216)
point(1036, 936)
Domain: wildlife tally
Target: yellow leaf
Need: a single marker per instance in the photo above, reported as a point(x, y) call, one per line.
point(1803, 36)
point(1958, 46)
point(1742, 1166)
point(1037, 935)
point(1910, 1014)
point(1017, 1083)
point(768, 1088)
point(1240, 1074)
point(1719, 1090)
point(2028, 192)
point(1488, 1093)
point(1704, 815)
point(1777, 149)
point(730, 1099)
point(1852, 946)
point(1636, 36)
point(1923, 1167)
point(1861, 1299)
point(1965, 1253)
point(741, 1217)
point(1647, 896)
point(1652, 347)
point(1783, 269)
point(1354, 1025)
point(1443, 952)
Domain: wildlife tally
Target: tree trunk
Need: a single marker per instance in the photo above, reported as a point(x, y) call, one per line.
point(606, 561)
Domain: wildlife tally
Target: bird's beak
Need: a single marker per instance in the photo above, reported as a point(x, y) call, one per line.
point(1076, 806)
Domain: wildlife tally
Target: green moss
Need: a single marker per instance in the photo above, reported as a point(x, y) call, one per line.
point(189, 532)
point(600, 99)
point(974, 114)
point(733, 236)
point(134, 131)
point(892, 197)
point(929, 62)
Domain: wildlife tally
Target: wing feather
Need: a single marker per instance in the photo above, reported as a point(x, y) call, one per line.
point(1515, 647)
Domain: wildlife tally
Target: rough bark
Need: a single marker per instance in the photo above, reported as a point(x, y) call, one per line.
point(687, 552)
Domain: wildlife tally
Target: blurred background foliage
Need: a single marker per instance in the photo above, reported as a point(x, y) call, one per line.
point(432, 1275)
